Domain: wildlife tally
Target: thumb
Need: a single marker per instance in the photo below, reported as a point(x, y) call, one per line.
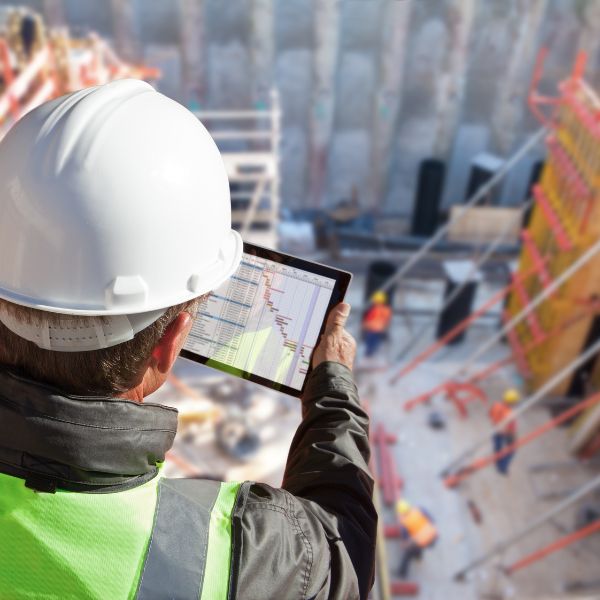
point(338, 317)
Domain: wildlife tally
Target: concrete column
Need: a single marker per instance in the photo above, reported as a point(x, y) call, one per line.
point(511, 101)
point(191, 28)
point(395, 35)
point(325, 53)
point(54, 13)
point(124, 30)
point(450, 91)
point(261, 49)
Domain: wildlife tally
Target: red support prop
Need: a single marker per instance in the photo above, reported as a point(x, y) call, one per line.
point(460, 327)
point(387, 474)
point(460, 394)
point(480, 463)
point(518, 355)
point(404, 588)
point(487, 371)
point(559, 544)
point(392, 531)
point(438, 389)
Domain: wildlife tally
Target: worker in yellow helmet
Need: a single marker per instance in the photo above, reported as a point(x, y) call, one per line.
point(418, 528)
point(499, 412)
point(376, 322)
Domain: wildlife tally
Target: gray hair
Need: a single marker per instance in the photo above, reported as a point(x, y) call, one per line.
point(106, 372)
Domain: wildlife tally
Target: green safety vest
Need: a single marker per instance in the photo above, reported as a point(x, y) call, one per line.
point(167, 538)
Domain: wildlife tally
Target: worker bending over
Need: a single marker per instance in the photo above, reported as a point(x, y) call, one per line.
point(506, 436)
point(376, 322)
point(419, 531)
point(115, 219)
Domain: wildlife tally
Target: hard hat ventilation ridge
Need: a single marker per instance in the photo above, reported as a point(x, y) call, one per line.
point(69, 334)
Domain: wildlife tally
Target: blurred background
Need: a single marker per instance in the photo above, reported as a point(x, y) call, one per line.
point(446, 152)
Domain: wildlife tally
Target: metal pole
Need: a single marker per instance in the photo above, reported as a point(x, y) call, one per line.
point(381, 587)
point(458, 290)
point(556, 509)
point(464, 209)
point(525, 405)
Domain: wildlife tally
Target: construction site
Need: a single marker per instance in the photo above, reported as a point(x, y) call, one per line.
point(447, 154)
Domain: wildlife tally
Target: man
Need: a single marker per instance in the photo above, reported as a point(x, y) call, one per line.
point(499, 412)
point(418, 528)
point(376, 322)
point(114, 220)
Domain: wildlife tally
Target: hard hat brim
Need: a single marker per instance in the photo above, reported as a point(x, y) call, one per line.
point(207, 279)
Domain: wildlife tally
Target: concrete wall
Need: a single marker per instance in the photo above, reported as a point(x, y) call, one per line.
point(368, 87)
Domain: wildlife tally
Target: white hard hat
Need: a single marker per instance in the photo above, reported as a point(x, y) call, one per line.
point(114, 201)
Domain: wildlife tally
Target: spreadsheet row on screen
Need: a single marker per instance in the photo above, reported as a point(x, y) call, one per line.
point(264, 320)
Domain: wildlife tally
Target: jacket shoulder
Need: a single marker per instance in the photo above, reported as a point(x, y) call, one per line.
point(281, 549)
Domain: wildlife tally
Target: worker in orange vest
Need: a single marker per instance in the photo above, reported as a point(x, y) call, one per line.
point(500, 411)
point(418, 527)
point(376, 322)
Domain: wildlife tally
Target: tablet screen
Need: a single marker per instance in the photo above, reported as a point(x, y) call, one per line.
point(264, 321)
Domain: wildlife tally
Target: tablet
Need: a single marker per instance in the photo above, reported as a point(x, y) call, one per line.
point(263, 323)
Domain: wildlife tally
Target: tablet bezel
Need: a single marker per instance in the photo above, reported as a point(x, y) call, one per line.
point(342, 281)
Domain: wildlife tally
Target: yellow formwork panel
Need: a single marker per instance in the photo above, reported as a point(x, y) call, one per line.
point(565, 222)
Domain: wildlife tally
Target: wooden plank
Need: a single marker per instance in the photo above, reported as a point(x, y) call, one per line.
point(482, 224)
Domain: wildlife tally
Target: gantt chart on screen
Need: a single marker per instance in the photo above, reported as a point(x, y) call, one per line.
point(264, 320)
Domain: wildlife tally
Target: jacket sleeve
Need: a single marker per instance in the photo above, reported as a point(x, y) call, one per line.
point(327, 469)
point(314, 537)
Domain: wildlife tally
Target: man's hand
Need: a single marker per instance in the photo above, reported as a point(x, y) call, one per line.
point(336, 344)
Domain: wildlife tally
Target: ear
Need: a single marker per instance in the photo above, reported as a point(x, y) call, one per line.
point(167, 350)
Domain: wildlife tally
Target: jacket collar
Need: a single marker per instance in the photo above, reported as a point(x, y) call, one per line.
point(91, 444)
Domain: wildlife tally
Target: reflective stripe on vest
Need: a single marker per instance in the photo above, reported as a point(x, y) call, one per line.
point(189, 554)
point(95, 546)
point(419, 527)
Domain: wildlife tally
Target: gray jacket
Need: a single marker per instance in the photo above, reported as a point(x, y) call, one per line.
point(312, 538)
